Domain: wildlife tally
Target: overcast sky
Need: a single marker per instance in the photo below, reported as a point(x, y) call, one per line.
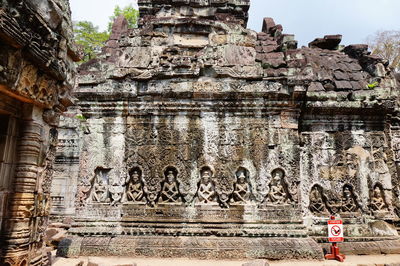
point(307, 19)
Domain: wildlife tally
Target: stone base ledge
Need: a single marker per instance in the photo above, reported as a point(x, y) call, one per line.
point(192, 247)
point(367, 248)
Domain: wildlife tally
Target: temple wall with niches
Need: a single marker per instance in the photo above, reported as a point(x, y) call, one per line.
point(168, 156)
point(205, 139)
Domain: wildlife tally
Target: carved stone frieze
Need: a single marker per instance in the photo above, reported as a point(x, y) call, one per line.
point(45, 49)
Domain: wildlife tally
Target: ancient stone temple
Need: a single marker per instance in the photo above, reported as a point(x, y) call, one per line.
point(36, 78)
point(201, 138)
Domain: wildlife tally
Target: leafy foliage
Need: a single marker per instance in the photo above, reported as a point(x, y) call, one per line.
point(373, 85)
point(129, 12)
point(90, 38)
point(80, 117)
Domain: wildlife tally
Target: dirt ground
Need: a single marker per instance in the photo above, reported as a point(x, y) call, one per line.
point(111, 261)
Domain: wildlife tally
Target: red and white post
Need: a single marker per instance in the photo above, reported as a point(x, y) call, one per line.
point(335, 235)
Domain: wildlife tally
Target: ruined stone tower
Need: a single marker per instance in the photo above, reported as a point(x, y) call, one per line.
point(205, 139)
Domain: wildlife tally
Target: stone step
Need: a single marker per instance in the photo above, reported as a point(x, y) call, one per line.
point(203, 247)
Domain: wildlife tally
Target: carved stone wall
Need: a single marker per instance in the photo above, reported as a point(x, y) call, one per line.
point(66, 165)
point(36, 79)
point(347, 171)
point(213, 140)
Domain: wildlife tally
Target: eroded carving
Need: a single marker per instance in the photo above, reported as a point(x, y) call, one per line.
point(170, 192)
point(134, 189)
point(242, 190)
point(317, 200)
point(206, 190)
point(152, 191)
point(378, 202)
point(116, 193)
point(278, 190)
point(349, 200)
point(100, 191)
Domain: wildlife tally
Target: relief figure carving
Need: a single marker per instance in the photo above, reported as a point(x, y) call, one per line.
point(278, 188)
point(317, 200)
point(242, 191)
point(116, 193)
point(206, 190)
point(224, 188)
point(134, 187)
point(352, 162)
point(100, 187)
point(349, 203)
point(170, 192)
point(83, 192)
point(151, 189)
point(378, 202)
point(378, 162)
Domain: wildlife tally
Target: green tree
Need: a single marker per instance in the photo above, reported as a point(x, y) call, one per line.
point(90, 38)
point(129, 12)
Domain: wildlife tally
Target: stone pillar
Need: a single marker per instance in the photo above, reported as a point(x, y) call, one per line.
point(66, 166)
point(17, 226)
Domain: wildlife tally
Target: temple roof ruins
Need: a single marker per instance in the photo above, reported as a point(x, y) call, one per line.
point(207, 41)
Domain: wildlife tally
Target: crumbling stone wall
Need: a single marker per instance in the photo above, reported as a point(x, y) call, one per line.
point(36, 80)
point(213, 140)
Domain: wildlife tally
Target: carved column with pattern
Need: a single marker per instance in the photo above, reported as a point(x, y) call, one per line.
point(18, 221)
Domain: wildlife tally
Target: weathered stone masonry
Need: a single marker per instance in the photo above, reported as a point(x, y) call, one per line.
point(206, 139)
point(36, 79)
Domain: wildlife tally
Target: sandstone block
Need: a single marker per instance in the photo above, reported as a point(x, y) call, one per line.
point(329, 42)
point(268, 23)
point(382, 228)
point(316, 86)
point(139, 57)
point(191, 40)
point(219, 39)
point(339, 75)
point(342, 85)
point(119, 27)
point(238, 55)
point(262, 36)
point(270, 48)
point(256, 263)
point(356, 50)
